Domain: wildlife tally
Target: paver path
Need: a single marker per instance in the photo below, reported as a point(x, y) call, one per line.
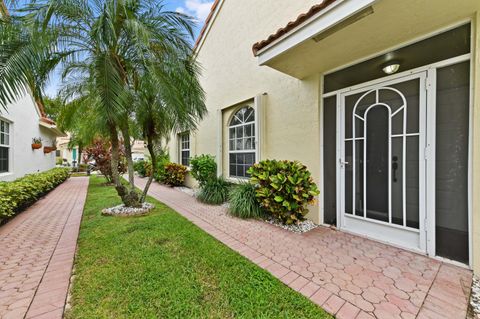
point(37, 252)
point(347, 275)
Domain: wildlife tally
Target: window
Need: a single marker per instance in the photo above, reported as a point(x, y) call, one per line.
point(185, 148)
point(4, 146)
point(242, 142)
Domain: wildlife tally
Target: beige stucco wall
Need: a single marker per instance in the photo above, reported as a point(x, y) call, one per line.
point(231, 75)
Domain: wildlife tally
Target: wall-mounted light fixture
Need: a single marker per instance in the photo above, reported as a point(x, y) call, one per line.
point(391, 67)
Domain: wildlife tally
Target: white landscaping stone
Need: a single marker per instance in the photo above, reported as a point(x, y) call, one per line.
point(301, 227)
point(121, 210)
point(475, 297)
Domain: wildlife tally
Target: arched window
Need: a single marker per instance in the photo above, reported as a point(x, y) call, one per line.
point(241, 136)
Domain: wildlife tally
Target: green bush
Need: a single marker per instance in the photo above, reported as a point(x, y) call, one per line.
point(82, 167)
point(21, 193)
point(162, 161)
point(141, 168)
point(243, 202)
point(284, 189)
point(174, 174)
point(59, 161)
point(204, 168)
point(214, 191)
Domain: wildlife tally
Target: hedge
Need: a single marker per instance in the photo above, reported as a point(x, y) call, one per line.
point(17, 195)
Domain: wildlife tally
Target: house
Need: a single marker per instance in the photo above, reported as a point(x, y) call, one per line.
point(138, 150)
point(21, 122)
point(379, 98)
point(65, 153)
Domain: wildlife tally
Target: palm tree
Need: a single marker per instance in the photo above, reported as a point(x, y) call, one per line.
point(159, 112)
point(110, 51)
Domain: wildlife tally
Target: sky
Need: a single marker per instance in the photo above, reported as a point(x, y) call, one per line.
point(195, 8)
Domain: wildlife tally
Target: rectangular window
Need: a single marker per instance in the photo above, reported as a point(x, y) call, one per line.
point(452, 138)
point(185, 148)
point(4, 146)
point(330, 160)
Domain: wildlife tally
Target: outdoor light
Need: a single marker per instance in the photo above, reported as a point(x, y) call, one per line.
point(391, 67)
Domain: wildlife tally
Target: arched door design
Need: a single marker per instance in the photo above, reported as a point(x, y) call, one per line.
point(382, 166)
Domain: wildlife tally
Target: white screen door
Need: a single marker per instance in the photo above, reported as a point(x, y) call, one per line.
point(382, 163)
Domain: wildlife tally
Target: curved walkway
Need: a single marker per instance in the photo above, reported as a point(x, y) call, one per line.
point(37, 252)
point(349, 276)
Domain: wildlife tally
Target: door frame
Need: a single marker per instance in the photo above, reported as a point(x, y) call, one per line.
point(399, 235)
point(431, 70)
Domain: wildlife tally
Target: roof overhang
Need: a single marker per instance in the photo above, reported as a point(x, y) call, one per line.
point(324, 21)
point(348, 31)
point(50, 125)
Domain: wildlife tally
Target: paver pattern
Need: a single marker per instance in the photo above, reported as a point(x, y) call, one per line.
point(37, 253)
point(347, 275)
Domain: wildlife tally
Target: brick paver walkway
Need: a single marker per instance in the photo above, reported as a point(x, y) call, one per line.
point(349, 276)
point(37, 252)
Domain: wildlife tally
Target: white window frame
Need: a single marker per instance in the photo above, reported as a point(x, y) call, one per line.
point(8, 146)
point(182, 148)
point(253, 136)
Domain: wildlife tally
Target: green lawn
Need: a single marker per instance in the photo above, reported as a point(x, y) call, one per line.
point(163, 266)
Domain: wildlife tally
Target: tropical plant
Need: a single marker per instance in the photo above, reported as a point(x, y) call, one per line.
point(243, 201)
point(19, 194)
point(37, 140)
point(284, 190)
point(125, 63)
point(214, 191)
point(204, 168)
point(101, 152)
point(143, 168)
point(139, 167)
point(174, 174)
point(162, 161)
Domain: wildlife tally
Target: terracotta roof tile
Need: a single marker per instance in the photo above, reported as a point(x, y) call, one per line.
point(207, 21)
point(291, 25)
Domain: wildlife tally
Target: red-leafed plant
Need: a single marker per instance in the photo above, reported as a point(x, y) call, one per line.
point(101, 152)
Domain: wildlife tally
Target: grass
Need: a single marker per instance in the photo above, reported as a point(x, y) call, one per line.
point(163, 266)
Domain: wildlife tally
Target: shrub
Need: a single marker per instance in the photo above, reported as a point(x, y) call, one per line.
point(162, 161)
point(21, 193)
point(284, 189)
point(214, 191)
point(143, 168)
point(243, 202)
point(174, 174)
point(59, 161)
point(139, 168)
point(204, 168)
point(82, 167)
point(100, 151)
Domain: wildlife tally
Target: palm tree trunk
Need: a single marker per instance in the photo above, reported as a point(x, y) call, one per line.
point(153, 157)
point(80, 151)
point(128, 154)
point(129, 197)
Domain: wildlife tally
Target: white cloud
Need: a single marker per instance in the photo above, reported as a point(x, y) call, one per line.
point(200, 9)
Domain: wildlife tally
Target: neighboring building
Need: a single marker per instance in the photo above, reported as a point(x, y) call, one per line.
point(69, 156)
point(19, 124)
point(138, 150)
point(377, 98)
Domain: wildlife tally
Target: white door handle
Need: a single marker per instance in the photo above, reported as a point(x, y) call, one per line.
point(342, 162)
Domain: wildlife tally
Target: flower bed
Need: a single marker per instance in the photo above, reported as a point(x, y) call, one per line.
point(17, 195)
